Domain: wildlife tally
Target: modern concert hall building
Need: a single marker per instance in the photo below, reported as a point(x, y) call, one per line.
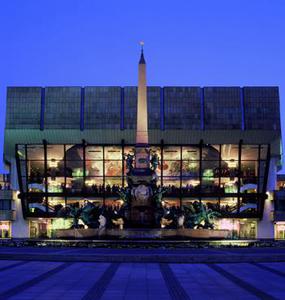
point(68, 146)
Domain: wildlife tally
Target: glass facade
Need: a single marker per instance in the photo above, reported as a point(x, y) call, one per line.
point(182, 107)
point(153, 102)
point(62, 107)
point(102, 107)
point(261, 105)
point(173, 108)
point(229, 178)
point(130, 107)
point(222, 108)
point(23, 107)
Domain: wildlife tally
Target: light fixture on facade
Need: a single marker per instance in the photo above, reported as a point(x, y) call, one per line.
point(232, 163)
point(53, 163)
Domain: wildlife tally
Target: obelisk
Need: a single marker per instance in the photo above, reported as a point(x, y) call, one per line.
point(142, 128)
point(142, 148)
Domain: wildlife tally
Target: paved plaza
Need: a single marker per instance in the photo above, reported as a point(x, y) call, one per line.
point(55, 280)
point(28, 279)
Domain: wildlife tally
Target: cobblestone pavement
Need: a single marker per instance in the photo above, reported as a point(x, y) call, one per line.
point(138, 281)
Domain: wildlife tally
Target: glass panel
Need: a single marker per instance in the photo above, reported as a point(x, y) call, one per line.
point(170, 182)
point(190, 153)
point(75, 201)
point(114, 152)
point(228, 205)
point(210, 185)
point(55, 152)
point(113, 183)
point(211, 203)
point(113, 168)
point(249, 152)
point(211, 152)
point(36, 169)
point(113, 202)
point(156, 150)
point(56, 206)
point(249, 168)
point(229, 152)
point(190, 168)
point(248, 205)
point(74, 152)
point(190, 185)
point(229, 168)
point(248, 185)
point(36, 184)
point(55, 185)
point(94, 185)
point(190, 201)
point(94, 168)
point(170, 203)
point(94, 153)
point(173, 189)
point(35, 152)
point(95, 200)
point(37, 205)
point(229, 185)
point(171, 153)
point(171, 168)
point(74, 168)
point(210, 168)
point(55, 168)
point(129, 150)
point(76, 184)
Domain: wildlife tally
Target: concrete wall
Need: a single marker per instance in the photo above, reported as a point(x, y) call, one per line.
point(265, 227)
point(20, 227)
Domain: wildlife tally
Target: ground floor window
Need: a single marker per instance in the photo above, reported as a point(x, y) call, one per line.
point(40, 228)
point(5, 229)
point(279, 229)
point(239, 228)
point(46, 228)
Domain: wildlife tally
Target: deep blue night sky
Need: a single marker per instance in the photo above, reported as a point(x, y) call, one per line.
point(187, 42)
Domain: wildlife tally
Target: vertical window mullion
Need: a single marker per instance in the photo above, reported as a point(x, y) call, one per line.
point(161, 162)
point(84, 164)
point(26, 166)
point(200, 167)
point(104, 202)
point(220, 167)
point(180, 176)
point(64, 172)
point(123, 164)
point(239, 173)
point(45, 173)
point(258, 169)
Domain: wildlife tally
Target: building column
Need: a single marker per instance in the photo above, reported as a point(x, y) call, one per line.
point(20, 226)
point(265, 227)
